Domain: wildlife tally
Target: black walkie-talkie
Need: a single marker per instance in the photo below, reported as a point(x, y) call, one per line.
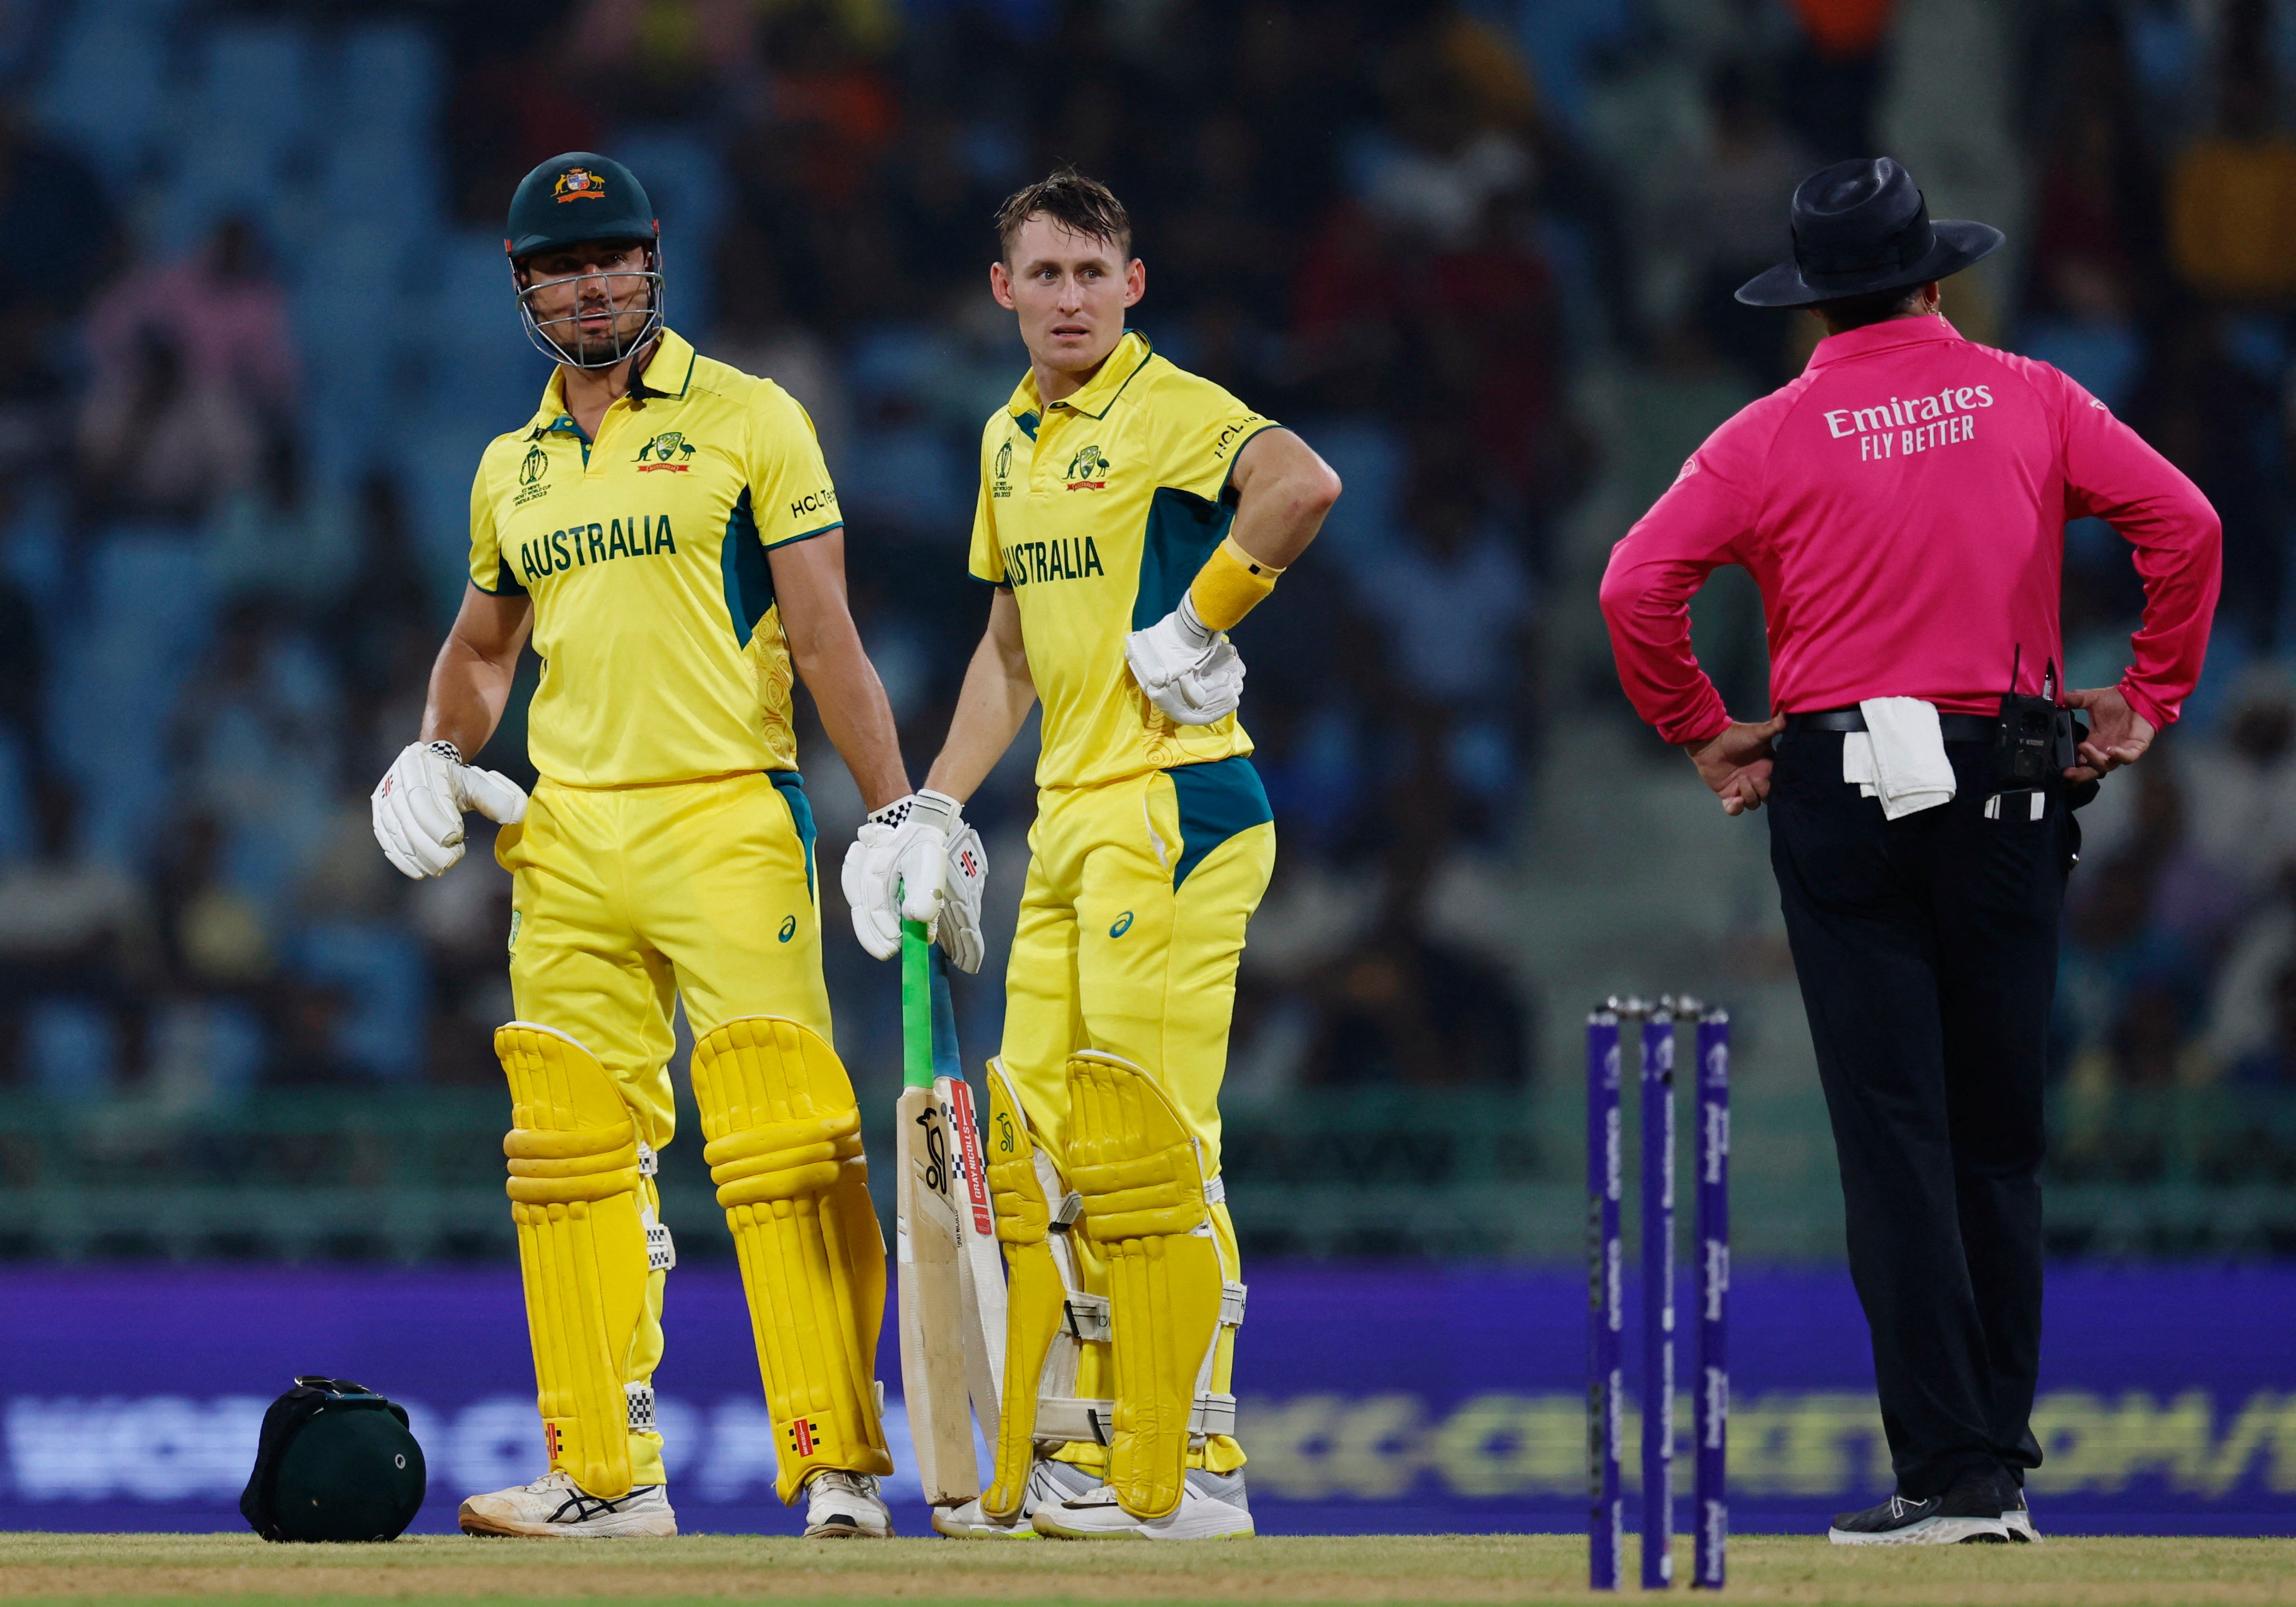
point(2029, 728)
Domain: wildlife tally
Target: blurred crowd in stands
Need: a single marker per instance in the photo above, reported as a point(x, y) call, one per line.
point(255, 326)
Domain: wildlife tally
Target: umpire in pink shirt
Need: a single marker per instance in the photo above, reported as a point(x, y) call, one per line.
point(1902, 504)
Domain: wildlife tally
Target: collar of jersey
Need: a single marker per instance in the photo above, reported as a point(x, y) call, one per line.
point(1129, 357)
point(672, 361)
point(1890, 332)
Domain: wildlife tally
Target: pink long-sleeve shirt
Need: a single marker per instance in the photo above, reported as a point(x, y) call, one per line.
point(1902, 504)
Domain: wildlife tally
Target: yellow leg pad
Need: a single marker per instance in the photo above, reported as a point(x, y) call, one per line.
point(1137, 1166)
point(1033, 1295)
point(785, 1153)
point(581, 1248)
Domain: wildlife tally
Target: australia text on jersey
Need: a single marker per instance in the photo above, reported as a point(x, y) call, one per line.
point(1069, 558)
point(1902, 426)
point(577, 547)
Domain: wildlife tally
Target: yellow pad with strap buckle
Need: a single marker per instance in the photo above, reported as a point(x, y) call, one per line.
point(574, 1181)
point(1132, 1160)
point(785, 1153)
point(1035, 1294)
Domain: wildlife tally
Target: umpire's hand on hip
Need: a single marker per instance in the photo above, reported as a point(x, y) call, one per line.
point(2118, 735)
point(1735, 762)
point(418, 806)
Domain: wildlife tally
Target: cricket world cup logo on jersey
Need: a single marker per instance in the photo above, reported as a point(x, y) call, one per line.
point(533, 477)
point(668, 452)
point(1087, 471)
point(1000, 484)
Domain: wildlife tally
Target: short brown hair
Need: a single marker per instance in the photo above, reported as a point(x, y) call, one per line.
point(1083, 206)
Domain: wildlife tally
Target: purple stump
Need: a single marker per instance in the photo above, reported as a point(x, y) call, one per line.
point(1658, 1299)
point(1711, 1412)
point(1606, 1511)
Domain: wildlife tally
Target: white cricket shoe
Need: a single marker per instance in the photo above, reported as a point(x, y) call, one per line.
point(845, 1506)
point(553, 1508)
point(2018, 1517)
point(1212, 1507)
point(1050, 1483)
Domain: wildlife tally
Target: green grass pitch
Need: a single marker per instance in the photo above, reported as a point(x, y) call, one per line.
point(212, 1569)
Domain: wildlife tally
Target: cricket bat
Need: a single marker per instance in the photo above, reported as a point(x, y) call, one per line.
point(980, 1261)
point(928, 1253)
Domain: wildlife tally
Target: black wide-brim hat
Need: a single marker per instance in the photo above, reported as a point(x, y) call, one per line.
point(1862, 226)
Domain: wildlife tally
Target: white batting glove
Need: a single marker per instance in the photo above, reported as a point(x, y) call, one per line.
point(1189, 670)
point(894, 870)
point(960, 906)
point(418, 806)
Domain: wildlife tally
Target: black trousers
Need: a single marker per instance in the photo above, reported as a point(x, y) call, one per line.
point(1927, 952)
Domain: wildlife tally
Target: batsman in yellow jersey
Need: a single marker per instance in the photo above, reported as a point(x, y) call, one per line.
point(1130, 514)
point(666, 530)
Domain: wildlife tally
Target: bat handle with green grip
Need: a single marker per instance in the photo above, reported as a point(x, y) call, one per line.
point(916, 1006)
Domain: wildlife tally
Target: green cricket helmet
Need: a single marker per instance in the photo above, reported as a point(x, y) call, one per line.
point(334, 1462)
point(575, 200)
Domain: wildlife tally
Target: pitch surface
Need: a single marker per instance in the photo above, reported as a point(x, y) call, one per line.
point(211, 1568)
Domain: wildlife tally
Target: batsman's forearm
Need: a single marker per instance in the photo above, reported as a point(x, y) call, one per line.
point(990, 711)
point(856, 716)
point(467, 696)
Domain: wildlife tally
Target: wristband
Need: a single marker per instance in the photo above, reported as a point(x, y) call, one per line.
point(445, 750)
point(1230, 586)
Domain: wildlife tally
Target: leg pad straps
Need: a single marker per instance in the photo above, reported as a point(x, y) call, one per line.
point(575, 1192)
point(1140, 1171)
point(785, 1150)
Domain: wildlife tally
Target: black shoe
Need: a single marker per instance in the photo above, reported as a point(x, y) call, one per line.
point(2015, 1515)
point(1971, 1511)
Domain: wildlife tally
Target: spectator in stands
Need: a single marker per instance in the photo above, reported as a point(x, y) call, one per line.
point(49, 193)
point(2274, 1065)
point(385, 593)
point(515, 103)
point(1457, 598)
point(1488, 338)
point(2089, 331)
point(2098, 200)
point(264, 704)
point(221, 312)
point(1832, 74)
point(1459, 105)
point(1728, 218)
point(36, 414)
point(21, 660)
point(69, 925)
point(217, 941)
point(154, 443)
point(2232, 195)
point(2208, 410)
point(657, 59)
point(758, 336)
point(280, 533)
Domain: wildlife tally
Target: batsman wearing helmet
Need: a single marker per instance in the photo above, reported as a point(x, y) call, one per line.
point(1130, 514)
point(664, 528)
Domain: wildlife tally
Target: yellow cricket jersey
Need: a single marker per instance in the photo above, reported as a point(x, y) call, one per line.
point(644, 552)
point(1098, 512)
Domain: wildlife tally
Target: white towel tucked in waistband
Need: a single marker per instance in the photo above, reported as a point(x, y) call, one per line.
point(1899, 756)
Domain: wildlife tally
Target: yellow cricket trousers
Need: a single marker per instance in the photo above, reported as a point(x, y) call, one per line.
point(1131, 927)
point(625, 899)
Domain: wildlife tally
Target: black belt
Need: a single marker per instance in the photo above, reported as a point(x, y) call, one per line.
point(1957, 728)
